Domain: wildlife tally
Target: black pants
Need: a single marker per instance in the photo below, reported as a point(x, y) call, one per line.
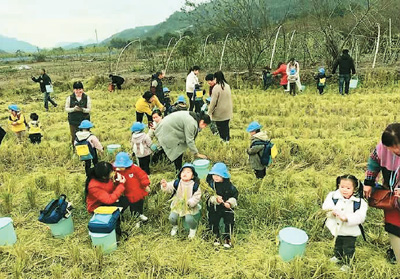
point(198, 105)
point(137, 207)
point(124, 203)
point(159, 155)
point(178, 163)
point(139, 117)
point(118, 85)
point(292, 88)
point(2, 134)
point(260, 173)
point(321, 89)
point(191, 102)
point(344, 79)
point(223, 129)
point(214, 217)
point(35, 138)
point(144, 164)
point(345, 246)
point(88, 163)
point(48, 99)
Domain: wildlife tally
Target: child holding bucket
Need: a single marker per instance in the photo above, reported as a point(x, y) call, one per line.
point(141, 146)
point(136, 185)
point(346, 212)
point(222, 203)
point(186, 195)
point(17, 122)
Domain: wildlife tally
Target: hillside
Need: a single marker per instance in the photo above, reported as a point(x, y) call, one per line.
point(12, 45)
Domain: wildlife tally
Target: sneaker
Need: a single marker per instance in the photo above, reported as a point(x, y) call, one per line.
point(217, 242)
point(192, 233)
point(143, 218)
point(174, 230)
point(228, 243)
point(137, 225)
point(345, 268)
point(334, 260)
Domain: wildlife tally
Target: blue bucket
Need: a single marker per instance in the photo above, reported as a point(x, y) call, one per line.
point(202, 167)
point(292, 243)
point(63, 228)
point(7, 233)
point(107, 241)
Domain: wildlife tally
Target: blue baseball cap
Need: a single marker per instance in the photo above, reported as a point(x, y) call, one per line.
point(137, 127)
point(122, 160)
point(165, 89)
point(253, 126)
point(181, 99)
point(13, 107)
point(220, 169)
point(85, 124)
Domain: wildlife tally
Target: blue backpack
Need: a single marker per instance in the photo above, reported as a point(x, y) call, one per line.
point(54, 211)
point(265, 157)
point(104, 223)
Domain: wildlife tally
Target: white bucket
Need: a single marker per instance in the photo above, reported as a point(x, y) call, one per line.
point(107, 241)
point(7, 233)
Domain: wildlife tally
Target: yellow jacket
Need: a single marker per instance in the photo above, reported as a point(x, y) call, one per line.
point(20, 120)
point(34, 127)
point(143, 106)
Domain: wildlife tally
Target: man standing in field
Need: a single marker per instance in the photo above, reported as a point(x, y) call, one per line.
point(78, 106)
point(46, 88)
point(346, 68)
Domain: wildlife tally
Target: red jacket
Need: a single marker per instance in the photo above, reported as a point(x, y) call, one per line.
point(136, 183)
point(102, 193)
point(282, 71)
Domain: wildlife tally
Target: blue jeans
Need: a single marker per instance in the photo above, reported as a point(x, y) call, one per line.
point(189, 219)
point(344, 79)
point(47, 99)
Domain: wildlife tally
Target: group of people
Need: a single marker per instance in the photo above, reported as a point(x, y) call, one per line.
point(290, 75)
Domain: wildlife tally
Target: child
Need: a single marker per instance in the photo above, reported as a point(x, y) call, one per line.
point(222, 203)
point(180, 104)
point(167, 101)
point(186, 196)
point(17, 122)
point(141, 144)
point(34, 129)
point(136, 184)
point(84, 136)
point(292, 78)
point(267, 77)
point(159, 153)
point(254, 151)
point(204, 108)
point(321, 80)
point(346, 212)
point(198, 98)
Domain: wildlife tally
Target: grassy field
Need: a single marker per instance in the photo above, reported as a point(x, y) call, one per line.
point(318, 137)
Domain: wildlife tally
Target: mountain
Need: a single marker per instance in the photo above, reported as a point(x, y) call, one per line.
point(12, 45)
point(127, 34)
point(69, 45)
point(2, 51)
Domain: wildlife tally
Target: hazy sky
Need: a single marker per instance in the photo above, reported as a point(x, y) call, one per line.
point(45, 23)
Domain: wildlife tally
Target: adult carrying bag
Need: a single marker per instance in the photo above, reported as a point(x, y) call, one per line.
point(55, 210)
point(104, 223)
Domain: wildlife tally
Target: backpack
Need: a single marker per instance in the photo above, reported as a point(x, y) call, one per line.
point(176, 185)
point(321, 81)
point(268, 152)
point(84, 149)
point(55, 211)
point(104, 223)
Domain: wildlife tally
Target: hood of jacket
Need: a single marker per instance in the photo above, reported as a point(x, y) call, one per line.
point(81, 135)
point(346, 56)
point(260, 136)
point(138, 136)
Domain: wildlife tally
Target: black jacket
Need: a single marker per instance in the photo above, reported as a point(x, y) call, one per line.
point(224, 189)
point(346, 65)
point(44, 80)
point(117, 80)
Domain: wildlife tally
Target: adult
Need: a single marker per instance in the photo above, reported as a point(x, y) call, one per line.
point(282, 72)
point(156, 86)
point(145, 105)
point(78, 106)
point(386, 159)
point(346, 68)
point(293, 65)
point(116, 80)
point(45, 81)
point(191, 81)
point(211, 82)
point(178, 131)
point(221, 106)
point(2, 134)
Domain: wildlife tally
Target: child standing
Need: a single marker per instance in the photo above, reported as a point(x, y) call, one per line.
point(85, 138)
point(292, 79)
point(180, 104)
point(167, 101)
point(186, 196)
point(255, 150)
point(141, 144)
point(136, 184)
point(17, 122)
point(346, 212)
point(34, 129)
point(267, 77)
point(204, 108)
point(321, 78)
point(198, 98)
point(221, 204)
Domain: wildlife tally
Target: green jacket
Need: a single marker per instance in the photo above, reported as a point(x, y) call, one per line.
point(177, 132)
point(256, 151)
